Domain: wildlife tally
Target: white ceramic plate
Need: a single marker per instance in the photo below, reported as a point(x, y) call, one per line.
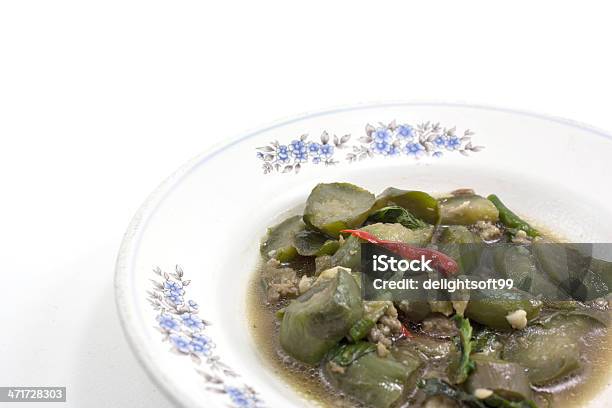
point(209, 216)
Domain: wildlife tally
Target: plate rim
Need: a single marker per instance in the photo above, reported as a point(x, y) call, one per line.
point(126, 253)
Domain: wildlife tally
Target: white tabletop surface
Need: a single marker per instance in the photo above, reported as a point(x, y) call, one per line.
point(100, 101)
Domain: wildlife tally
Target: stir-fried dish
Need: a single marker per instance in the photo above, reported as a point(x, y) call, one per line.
point(526, 346)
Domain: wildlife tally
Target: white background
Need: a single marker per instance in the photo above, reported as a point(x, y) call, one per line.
point(100, 101)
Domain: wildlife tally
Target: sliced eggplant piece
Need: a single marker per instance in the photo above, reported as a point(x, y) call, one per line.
point(543, 287)
point(571, 268)
point(377, 382)
point(463, 245)
point(279, 243)
point(467, 210)
point(322, 263)
point(332, 207)
point(418, 203)
point(515, 262)
point(415, 310)
point(493, 306)
point(317, 320)
point(504, 378)
point(548, 351)
point(432, 348)
point(313, 243)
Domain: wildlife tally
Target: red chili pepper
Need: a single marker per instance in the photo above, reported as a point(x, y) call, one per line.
point(405, 332)
point(441, 262)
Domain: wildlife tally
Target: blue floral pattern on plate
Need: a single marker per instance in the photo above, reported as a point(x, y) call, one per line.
point(289, 157)
point(391, 140)
point(182, 327)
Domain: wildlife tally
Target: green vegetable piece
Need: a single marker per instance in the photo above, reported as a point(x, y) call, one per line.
point(330, 208)
point(345, 354)
point(548, 351)
point(458, 234)
point(515, 262)
point(349, 253)
point(374, 381)
point(464, 366)
point(279, 240)
point(550, 293)
point(408, 356)
point(431, 347)
point(372, 311)
point(361, 329)
point(444, 307)
point(329, 247)
point(415, 310)
point(505, 378)
point(467, 210)
point(322, 263)
point(462, 245)
point(418, 203)
point(486, 343)
point(314, 243)
point(317, 320)
point(399, 233)
point(571, 270)
point(558, 261)
point(396, 214)
point(510, 219)
point(493, 305)
point(308, 242)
